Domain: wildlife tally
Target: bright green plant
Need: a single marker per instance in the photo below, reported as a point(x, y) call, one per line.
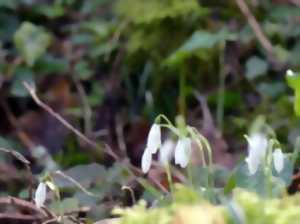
point(293, 80)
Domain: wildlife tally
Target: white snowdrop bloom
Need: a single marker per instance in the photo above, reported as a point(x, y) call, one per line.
point(253, 164)
point(40, 195)
point(257, 147)
point(183, 151)
point(290, 72)
point(154, 138)
point(153, 144)
point(278, 159)
point(166, 152)
point(146, 160)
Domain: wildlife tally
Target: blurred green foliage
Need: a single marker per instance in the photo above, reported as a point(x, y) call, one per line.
point(154, 55)
point(245, 207)
point(164, 40)
point(293, 81)
point(31, 41)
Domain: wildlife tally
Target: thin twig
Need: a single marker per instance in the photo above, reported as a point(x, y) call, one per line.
point(120, 135)
point(22, 205)
point(53, 220)
point(26, 163)
point(84, 209)
point(21, 134)
point(152, 179)
point(221, 91)
point(73, 219)
point(116, 36)
point(76, 183)
point(44, 106)
point(264, 41)
point(34, 96)
point(129, 189)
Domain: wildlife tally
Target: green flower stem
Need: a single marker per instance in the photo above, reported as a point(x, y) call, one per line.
point(200, 147)
point(56, 191)
point(172, 128)
point(208, 148)
point(169, 177)
point(297, 102)
point(199, 144)
point(168, 124)
point(162, 116)
point(268, 168)
point(182, 95)
point(268, 180)
point(221, 91)
point(202, 141)
point(296, 150)
point(210, 176)
point(190, 175)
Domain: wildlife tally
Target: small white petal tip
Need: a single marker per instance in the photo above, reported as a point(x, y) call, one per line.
point(166, 151)
point(290, 72)
point(40, 195)
point(183, 152)
point(278, 159)
point(154, 138)
point(257, 148)
point(146, 160)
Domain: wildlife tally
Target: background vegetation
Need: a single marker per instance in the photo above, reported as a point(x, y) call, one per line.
point(109, 67)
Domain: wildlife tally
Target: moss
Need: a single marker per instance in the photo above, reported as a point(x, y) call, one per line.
point(249, 207)
point(145, 11)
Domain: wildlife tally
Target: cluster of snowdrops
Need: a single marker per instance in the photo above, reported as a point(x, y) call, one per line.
point(266, 172)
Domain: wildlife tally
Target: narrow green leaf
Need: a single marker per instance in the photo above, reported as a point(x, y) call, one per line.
point(293, 80)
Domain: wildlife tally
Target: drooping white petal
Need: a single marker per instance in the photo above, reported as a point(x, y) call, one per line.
point(257, 145)
point(253, 164)
point(40, 195)
point(257, 148)
point(278, 159)
point(166, 151)
point(146, 160)
point(183, 151)
point(154, 138)
point(290, 72)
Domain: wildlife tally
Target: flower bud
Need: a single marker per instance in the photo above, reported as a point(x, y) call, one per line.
point(257, 148)
point(146, 160)
point(166, 151)
point(278, 159)
point(40, 195)
point(154, 138)
point(183, 151)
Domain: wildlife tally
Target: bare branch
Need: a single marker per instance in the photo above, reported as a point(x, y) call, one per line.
point(264, 41)
point(28, 212)
point(34, 96)
point(26, 163)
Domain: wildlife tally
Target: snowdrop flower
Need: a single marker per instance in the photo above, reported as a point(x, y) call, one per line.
point(257, 147)
point(290, 72)
point(146, 160)
point(154, 138)
point(183, 151)
point(153, 144)
point(40, 195)
point(166, 151)
point(278, 159)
